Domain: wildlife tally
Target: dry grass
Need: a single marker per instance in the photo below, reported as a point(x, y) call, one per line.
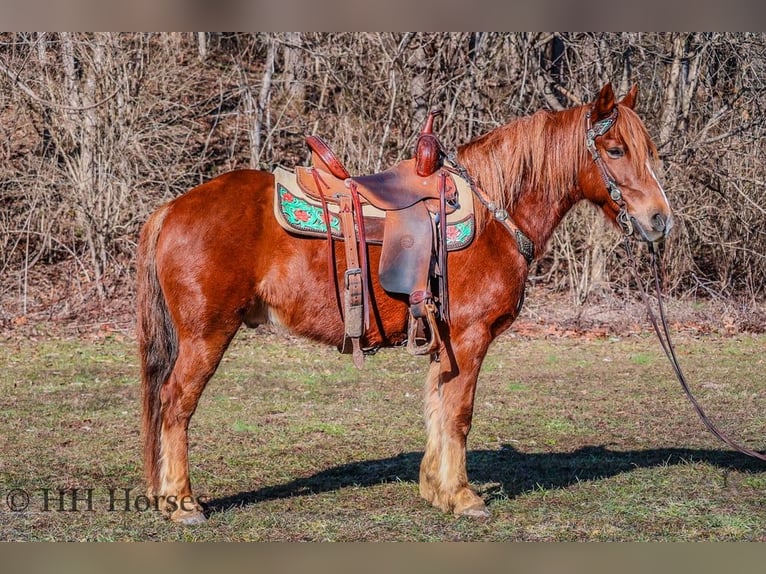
point(575, 438)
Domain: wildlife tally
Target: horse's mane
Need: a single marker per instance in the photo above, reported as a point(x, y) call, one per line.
point(544, 152)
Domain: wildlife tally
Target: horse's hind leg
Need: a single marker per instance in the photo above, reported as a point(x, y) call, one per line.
point(198, 358)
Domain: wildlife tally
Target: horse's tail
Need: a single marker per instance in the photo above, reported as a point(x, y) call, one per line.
point(157, 343)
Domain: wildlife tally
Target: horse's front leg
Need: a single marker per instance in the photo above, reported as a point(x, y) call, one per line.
point(449, 397)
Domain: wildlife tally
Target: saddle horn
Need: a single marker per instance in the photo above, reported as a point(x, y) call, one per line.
point(428, 150)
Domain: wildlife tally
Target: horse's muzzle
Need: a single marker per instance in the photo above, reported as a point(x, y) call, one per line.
point(660, 226)
point(662, 223)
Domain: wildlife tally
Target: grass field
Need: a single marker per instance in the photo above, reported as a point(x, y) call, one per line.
point(573, 439)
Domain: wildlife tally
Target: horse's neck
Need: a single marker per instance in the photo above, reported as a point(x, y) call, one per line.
point(538, 216)
point(537, 207)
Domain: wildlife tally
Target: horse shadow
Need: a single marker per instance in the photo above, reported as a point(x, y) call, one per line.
point(509, 471)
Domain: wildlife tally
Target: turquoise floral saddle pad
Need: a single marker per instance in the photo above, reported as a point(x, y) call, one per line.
point(301, 214)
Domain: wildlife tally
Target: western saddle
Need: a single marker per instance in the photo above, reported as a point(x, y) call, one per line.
point(416, 195)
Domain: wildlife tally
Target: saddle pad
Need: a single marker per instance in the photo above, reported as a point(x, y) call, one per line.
point(299, 214)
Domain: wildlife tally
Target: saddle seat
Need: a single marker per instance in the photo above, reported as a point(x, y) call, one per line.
point(398, 187)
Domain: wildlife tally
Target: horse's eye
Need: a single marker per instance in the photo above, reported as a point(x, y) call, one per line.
point(615, 152)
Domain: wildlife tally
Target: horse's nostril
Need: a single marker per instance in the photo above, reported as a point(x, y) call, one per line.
point(659, 222)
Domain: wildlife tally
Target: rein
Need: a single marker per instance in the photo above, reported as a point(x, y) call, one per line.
point(670, 353)
point(624, 220)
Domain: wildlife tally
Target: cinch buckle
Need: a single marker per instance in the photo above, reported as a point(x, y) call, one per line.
point(349, 273)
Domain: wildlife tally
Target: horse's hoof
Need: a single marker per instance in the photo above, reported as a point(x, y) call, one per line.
point(468, 503)
point(476, 511)
point(188, 517)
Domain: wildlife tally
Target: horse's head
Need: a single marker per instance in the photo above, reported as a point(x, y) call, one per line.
point(619, 177)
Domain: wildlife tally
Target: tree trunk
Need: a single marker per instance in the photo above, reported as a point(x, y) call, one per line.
point(257, 112)
point(202, 45)
point(295, 70)
point(419, 85)
point(669, 116)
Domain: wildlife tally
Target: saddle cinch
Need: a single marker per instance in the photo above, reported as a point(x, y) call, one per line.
point(418, 210)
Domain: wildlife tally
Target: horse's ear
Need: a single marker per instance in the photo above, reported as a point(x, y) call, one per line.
point(630, 99)
point(604, 104)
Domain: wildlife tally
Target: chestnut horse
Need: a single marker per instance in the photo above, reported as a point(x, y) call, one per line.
point(215, 258)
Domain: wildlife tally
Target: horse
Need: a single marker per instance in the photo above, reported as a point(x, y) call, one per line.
point(214, 258)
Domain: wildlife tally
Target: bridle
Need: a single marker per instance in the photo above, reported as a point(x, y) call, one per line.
point(591, 133)
point(624, 220)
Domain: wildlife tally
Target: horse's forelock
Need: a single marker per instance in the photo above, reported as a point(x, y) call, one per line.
point(630, 129)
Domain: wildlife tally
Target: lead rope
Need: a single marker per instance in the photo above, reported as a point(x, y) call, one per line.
point(667, 346)
point(592, 131)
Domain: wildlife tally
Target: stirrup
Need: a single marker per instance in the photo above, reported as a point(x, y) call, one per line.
point(423, 333)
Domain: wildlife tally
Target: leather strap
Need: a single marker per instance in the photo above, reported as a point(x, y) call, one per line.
point(441, 247)
point(362, 238)
point(524, 244)
point(353, 302)
point(669, 349)
point(321, 186)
